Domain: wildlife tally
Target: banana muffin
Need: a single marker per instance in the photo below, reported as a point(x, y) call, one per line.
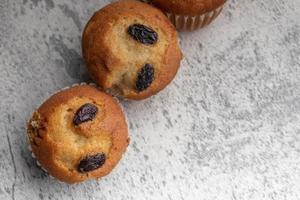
point(79, 133)
point(131, 49)
point(190, 14)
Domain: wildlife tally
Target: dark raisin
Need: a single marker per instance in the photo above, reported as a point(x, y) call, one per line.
point(143, 34)
point(145, 77)
point(91, 163)
point(85, 113)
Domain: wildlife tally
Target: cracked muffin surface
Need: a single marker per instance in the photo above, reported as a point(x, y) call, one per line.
point(131, 49)
point(79, 133)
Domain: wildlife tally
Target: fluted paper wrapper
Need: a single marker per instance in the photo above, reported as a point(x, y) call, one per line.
point(190, 23)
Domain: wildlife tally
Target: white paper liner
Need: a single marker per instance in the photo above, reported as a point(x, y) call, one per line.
point(115, 93)
point(65, 88)
point(190, 23)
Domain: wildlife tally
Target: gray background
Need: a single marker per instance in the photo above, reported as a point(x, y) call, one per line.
point(227, 128)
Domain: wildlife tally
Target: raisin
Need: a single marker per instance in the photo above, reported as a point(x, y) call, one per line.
point(145, 77)
point(85, 113)
point(92, 162)
point(143, 34)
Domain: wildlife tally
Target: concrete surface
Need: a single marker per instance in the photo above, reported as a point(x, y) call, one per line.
point(228, 128)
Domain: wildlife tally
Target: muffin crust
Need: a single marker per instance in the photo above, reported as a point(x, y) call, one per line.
point(188, 7)
point(114, 58)
point(59, 145)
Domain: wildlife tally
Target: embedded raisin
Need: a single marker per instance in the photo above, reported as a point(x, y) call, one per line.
point(145, 77)
point(143, 34)
point(85, 113)
point(92, 162)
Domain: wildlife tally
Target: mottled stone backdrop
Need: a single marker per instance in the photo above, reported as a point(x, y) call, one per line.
point(228, 128)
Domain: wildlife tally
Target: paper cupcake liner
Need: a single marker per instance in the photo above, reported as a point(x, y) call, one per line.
point(38, 164)
point(190, 23)
point(115, 93)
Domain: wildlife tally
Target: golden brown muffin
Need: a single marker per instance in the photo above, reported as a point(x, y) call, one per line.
point(131, 48)
point(78, 134)
point(190, 14)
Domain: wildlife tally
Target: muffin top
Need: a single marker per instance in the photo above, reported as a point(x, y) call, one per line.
point(78, 133)
point(188, 7)
point(132, 48)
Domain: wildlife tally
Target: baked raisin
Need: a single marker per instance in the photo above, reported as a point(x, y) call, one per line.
point(145, 77)
point(143, 34)
point(91, 163)
point(85, 113)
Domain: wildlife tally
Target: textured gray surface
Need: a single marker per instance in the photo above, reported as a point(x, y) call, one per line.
point(228, 128)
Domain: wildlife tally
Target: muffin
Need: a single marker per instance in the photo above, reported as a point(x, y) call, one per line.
point(79, 133)
point(131, 49)
point(190, 14)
